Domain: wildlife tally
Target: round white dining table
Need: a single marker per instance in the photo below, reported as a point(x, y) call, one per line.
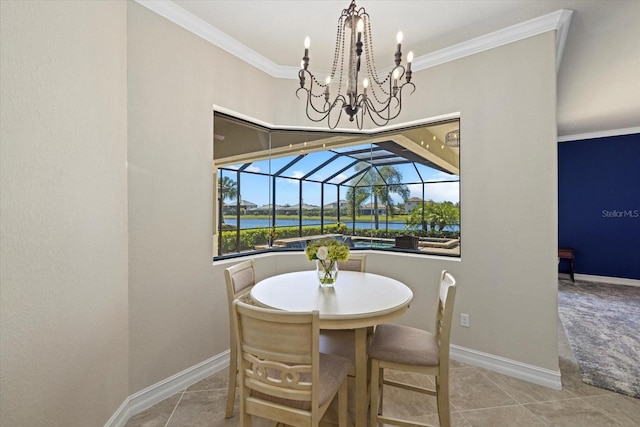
point(357, 301)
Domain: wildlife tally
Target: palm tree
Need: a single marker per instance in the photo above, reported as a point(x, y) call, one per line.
point(227, 190)
point(356, 196)
point(379, 183)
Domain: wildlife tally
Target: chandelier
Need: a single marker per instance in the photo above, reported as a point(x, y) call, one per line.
point(452, 139)
point(380, 99)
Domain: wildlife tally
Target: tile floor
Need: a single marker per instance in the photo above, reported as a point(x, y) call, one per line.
point(478, 398)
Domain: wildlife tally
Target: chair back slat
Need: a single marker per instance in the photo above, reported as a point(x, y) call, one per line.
point(279, 352)
point(241, 276)
point(278, 379)
point(356, 262)
point(444, 314)
point(239, 280)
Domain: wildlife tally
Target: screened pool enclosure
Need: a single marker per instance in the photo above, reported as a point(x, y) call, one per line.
point(391, 191)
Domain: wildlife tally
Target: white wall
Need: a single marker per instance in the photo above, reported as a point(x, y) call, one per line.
point(178, 314)
point(63, 213)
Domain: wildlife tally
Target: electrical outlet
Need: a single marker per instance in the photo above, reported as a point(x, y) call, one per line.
point(464, 320)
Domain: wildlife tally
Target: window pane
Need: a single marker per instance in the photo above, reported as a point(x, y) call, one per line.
point(385, 189)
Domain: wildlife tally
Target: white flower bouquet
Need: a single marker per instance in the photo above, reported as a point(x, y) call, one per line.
point(327, 253)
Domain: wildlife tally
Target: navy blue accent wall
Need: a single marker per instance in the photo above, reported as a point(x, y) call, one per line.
point(599, 205)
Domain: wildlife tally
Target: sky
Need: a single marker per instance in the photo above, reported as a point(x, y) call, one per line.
point(255, 188)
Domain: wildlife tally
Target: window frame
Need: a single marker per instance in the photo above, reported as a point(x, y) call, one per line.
point(277, 150)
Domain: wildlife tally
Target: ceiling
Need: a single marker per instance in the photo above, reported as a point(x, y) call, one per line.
point(598, 77)
point(241, 142)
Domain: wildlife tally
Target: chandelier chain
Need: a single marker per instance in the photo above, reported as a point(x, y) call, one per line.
point(339, 41)
point(341, 36)
point(372, 69)
point(379, 99)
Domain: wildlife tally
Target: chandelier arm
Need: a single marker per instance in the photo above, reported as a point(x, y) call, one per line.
point(379, 113)
point(312, 79)
point(401, 71)
point(359, 120)
point(362, 111)
point(339, 113)
point(408, 84)
point(311, 110)
point(389, 79)
point(309, 103)
point(326, 107)
point(376, 115)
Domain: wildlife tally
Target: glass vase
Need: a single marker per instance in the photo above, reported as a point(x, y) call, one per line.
point(327, 272)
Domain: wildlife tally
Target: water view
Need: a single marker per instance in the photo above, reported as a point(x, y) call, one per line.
point(247, 223)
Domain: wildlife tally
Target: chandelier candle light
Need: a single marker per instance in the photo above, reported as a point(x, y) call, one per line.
point(381, 100)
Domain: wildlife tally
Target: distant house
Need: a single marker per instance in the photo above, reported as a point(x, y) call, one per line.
point(294, 209)
point(280, 210)
point(244, 206)
point(260, 210)
point(334, 205)
point(412, 203)
point(247, 205)
point(368, 209)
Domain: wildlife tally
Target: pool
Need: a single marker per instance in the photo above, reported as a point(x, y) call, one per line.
point(353, 242)
point(367, 242)
point(424, 242)
point(361, 242)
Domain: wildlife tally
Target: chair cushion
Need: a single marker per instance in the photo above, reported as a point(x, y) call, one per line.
point(333, 371)
point(402, 344)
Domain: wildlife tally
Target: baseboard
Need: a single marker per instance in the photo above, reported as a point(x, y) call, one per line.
point(512, 368)
point(156, 393)
point(121, 416)
point(604, 279)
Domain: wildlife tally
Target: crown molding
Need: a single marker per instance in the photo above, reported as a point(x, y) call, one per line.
point(200, 28)
point(599, 134)
point(558, 21)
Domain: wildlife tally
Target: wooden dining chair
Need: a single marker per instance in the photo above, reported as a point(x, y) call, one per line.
point(239, 279)
point(414, 350)
point(356, 262)
point(283, 375)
